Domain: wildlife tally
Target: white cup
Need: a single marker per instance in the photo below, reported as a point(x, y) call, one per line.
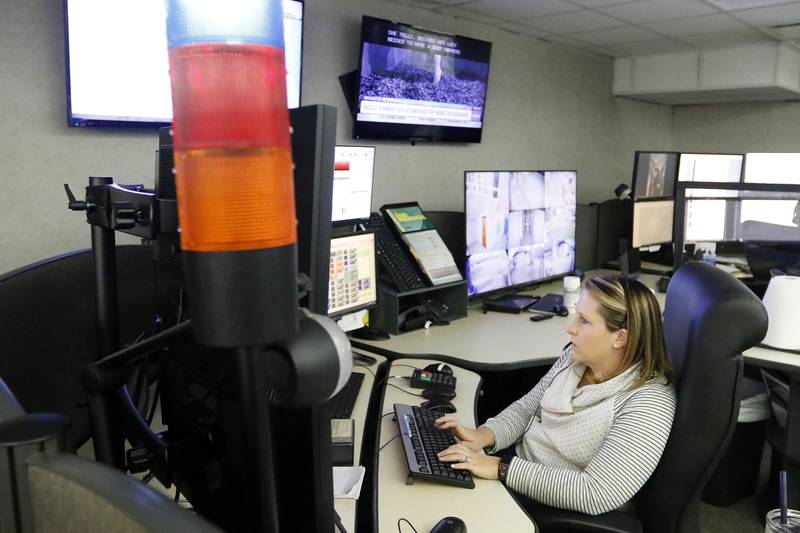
point(774, 525)
point(572, 289)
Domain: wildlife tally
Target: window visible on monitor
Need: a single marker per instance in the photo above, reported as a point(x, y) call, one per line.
point(652, 223)
point(353, 279)
point(772, 168)
point(117, 67)
point(520, 227)
point(775, 220)
point(654, 175)
point(353, 170)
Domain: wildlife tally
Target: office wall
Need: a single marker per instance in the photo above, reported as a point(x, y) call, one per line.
point(750, 127)
point(549, 107)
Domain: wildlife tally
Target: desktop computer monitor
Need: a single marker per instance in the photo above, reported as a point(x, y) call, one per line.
point(520, 227)
point(352, 183)
point(353, 274)
point(654, 175)
point(711, 167)
point(652, 223)
point(772, 168)
point(770, 220)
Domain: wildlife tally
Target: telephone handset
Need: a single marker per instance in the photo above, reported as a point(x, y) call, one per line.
point(393, 254)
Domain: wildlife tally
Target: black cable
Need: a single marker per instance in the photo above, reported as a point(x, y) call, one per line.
point(365, 367)
point(404, 390)
point(338, 520)
point(378, 421)
point(146, 479)
point(388, 442)
point(407, 522)
point(407, 366)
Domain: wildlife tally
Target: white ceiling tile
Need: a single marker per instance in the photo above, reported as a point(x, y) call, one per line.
point(524, 30)
point(658, 46)
point(728, 38)
point(653, 10)
point(771, 16)
point(624, 34)
point(519, 9)
point(573, 22)
point(732, 5)
point(600, 3)
point(697, 25)
point(460, 12)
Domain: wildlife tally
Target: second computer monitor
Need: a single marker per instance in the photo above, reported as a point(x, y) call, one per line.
point(654, 175)
point(352, 183)
point(520, 227)
point(652, 223)
point(353, 279)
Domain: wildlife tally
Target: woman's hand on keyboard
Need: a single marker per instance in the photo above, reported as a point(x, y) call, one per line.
point(463, 458)
point(473, 439)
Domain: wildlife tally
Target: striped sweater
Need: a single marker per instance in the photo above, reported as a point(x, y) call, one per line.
point(600, 462)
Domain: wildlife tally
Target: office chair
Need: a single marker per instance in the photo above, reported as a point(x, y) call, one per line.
point(48, 327)
point(42, 488)
point(709, 320)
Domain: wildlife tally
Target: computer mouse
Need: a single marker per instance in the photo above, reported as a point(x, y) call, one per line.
point(560, 310)
point(440, 405)
point(439, 367)
point(450, 524)
point(435, 393)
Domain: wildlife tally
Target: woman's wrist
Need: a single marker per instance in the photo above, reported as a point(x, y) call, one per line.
point(485, 437)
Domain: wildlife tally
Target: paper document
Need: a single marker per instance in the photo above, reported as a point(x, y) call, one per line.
point(433, 256)
point(347, 481)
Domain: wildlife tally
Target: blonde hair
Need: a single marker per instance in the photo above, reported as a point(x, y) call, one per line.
point(625, 303)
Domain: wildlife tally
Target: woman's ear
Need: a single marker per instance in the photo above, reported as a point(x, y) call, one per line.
point(622, 338)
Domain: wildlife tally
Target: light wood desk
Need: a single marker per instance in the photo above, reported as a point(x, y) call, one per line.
point(487, 507)
point(481, 341)
point(346, 507)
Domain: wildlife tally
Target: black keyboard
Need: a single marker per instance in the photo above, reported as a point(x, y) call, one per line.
point(404, 274)
point(421, 443)
point(425, 379)
point(342, 404)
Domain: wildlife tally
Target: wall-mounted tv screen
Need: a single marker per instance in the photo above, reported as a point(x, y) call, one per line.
point(420, 84)
point(520, 227)
point(654, 175)
point(117, 66)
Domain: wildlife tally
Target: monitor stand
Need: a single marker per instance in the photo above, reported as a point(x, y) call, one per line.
point(510, 303)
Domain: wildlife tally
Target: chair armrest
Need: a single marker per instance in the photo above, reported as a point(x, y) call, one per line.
point(552, 520)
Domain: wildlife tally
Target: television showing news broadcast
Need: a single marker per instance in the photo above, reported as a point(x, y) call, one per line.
point(520, 227)
point(420, 84)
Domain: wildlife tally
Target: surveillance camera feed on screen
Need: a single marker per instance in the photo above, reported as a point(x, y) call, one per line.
point(418, 83)
point(654, 175)
point(520, 227)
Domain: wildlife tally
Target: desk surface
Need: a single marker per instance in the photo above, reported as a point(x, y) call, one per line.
point(487, 507)
point(495, 338)
point(346, 507)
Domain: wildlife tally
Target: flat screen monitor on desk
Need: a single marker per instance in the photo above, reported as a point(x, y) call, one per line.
point(353, 170)
point(520, 227)
point(711, 167)
point(654, 175)
point(772, 168)
point(352, 283)
point(652, 223)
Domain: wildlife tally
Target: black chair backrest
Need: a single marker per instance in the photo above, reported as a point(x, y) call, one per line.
point(709, 320)
point(48, 327)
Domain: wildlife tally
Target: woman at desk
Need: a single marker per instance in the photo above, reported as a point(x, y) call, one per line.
point(591, 432)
